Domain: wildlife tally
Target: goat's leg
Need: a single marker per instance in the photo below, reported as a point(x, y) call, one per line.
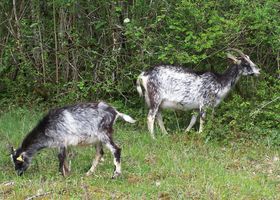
point(160, 122)
point(102, 154)
point(192, 122)
point(202, 120)
point(116, 151)
point(98, 157)
point(63, 166)
point(151, 120)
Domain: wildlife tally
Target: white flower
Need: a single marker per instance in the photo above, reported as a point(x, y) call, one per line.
point(126, 20)
point(157, 183)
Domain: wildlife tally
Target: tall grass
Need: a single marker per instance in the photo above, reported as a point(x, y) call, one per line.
point(177, 166)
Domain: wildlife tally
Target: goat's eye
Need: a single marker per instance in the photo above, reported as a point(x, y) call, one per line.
point(248, 68)
point(245, 63)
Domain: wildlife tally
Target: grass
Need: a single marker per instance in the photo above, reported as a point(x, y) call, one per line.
point(177, 166)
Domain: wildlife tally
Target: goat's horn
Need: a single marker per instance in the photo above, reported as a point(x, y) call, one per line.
point(10, 148)
point(231, 56)
point(236, 50)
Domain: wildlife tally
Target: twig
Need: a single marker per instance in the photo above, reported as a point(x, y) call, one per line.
point(37, 195)
point(259, 109)
point(9, 183)
point(75, 68)
point(224, 48)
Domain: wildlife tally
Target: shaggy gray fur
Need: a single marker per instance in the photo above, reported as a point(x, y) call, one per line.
point(80, 124)
point(175, 87)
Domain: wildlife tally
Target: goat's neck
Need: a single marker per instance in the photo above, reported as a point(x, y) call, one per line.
point(230, 77)
point(33, 149)
point(227, 81)
point(33, 143)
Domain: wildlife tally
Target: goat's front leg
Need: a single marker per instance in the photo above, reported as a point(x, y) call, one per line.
point(116, 151)
point(63, 166)
point(98, 157)
point(192, 122)
point(202, 119)
point(160, 122)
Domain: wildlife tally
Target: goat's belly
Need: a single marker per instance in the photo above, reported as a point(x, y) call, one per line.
point(80, 140)
point(179, 106)
point(191, 106)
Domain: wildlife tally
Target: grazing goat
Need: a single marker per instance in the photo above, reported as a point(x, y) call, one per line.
point(80, 124)
point(174, 87)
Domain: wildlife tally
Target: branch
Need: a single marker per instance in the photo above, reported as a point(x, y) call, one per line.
point(37, 195)
point(264, 105)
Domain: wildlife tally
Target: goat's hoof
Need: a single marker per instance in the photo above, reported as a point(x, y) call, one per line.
point(89, 173)
point(65, 171)
point(116, 174)
point(65, 174)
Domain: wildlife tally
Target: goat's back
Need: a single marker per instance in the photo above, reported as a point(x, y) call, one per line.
point(78, 124)
point(179, 87)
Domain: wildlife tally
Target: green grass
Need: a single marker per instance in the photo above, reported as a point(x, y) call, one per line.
point(177, 166)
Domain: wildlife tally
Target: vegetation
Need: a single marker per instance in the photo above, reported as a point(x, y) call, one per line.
point(177, 166)
point(60, 52)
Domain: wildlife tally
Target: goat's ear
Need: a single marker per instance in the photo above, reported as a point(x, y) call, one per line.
point(11, 149)
point(233, 59)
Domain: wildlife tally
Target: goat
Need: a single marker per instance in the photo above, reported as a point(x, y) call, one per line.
point(79, 124)
point(175, 87)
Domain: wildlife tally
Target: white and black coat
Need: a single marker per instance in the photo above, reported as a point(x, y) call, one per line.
point(80, 124)
point(175, 87)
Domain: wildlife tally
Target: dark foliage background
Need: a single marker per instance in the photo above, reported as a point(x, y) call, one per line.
point(63, 51)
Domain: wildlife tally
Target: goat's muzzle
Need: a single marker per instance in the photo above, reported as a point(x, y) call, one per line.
point(257, 72)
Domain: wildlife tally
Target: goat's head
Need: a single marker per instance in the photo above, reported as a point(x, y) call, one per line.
point(20, 159)
point(247, 67)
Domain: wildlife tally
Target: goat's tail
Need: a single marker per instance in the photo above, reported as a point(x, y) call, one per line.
point(138, 84)
point(126, 118)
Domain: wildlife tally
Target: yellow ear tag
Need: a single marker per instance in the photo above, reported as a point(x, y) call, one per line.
point(20, 158)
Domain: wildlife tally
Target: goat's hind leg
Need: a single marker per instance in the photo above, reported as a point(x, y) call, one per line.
point(116, 151)
point(160, 123)
point(98, 157)
point(63, 166)
point(202, 119)
point(151, 119)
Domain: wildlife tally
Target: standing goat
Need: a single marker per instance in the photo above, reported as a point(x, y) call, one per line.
point(174, 87)
point(80, 124)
